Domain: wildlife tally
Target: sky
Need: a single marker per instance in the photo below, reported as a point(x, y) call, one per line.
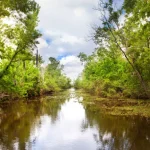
point(66, 26)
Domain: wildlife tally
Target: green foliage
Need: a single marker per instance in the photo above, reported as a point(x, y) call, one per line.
point(54, 79)
point(120, 66)
point(21, 74)
point(18, 74)
point(21, 6)
point(129, 5)
point(19, 81)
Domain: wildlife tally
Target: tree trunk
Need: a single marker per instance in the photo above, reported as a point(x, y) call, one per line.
point(9, 64)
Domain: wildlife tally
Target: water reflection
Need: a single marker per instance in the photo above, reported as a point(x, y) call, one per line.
point(19, 120)
point(119, 133)
point(61, 122)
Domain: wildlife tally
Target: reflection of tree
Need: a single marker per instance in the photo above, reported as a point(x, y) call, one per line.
point(20, 118)
point(118, 133)
point(84, 125)
point(81, 94)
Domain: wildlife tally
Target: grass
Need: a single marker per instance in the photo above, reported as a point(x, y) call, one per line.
point(122, 107)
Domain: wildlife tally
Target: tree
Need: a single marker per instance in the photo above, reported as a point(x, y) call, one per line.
point(18, 74)
point(54, 78)
point(120, 64)
point(112, 31)
point(23, 35)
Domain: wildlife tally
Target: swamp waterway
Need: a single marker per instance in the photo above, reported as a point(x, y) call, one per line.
point(63, 122)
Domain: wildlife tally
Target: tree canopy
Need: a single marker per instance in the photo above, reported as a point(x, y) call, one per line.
point(121, 62)
point(21, 73)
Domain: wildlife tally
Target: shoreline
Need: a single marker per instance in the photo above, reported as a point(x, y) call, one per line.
point(121, 107)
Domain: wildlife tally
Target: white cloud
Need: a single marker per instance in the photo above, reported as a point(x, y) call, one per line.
point(72, 66)
point(43, 43)
point(61, 50)
point(71, 39)
point(65, 24)
point(79, 12)
point(56, 15)
point(63, 45)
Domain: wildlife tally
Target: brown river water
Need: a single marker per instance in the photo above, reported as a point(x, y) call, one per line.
point(63, 122)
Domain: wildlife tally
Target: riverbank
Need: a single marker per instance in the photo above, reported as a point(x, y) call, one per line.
point(119, 107)
point(40, 100)
point(4, 98)
point(127, 107)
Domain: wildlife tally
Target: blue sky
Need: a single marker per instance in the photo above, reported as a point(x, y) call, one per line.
point(65, 25)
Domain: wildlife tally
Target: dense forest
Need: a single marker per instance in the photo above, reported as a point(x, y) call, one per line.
point(21, 72)
point(120, 65)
